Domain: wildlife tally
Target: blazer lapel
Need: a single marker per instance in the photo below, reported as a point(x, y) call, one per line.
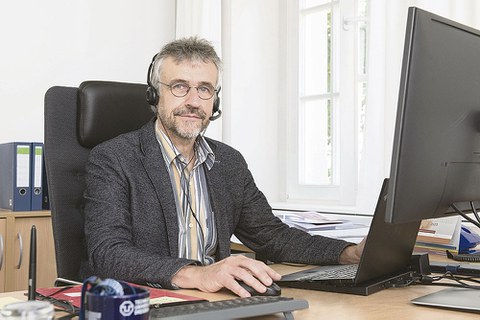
point(156, 171)
point(216, 189)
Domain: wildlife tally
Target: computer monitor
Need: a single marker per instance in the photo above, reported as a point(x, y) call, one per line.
point(435, 168)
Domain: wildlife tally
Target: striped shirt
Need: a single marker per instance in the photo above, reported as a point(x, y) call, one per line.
point(197, 237)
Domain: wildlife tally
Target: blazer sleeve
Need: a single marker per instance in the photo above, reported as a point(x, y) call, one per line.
point(260, 230)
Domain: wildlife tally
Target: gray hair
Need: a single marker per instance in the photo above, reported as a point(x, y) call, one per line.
point(185, 49)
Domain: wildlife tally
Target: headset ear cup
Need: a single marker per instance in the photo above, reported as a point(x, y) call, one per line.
point(152, 96)
point(108, 287)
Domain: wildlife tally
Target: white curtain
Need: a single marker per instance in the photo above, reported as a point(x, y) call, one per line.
point(387, 31)
point(202, 18)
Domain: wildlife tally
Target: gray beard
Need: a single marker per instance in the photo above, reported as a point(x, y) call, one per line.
point(187, 133)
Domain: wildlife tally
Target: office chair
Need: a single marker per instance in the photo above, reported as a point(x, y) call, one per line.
point(76, 120)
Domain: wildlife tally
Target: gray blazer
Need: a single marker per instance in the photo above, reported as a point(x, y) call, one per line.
point(131, 225)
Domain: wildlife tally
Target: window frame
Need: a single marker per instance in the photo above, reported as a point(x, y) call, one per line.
point(345, 119)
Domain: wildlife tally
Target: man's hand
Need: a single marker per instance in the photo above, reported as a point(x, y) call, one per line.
point(225, 273)
point(352, 254)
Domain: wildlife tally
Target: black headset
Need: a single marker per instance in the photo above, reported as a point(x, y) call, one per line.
point(152, 94)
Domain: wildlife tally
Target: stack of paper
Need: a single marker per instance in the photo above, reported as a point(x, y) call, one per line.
point(309, 220)
point(438, 235)
point(326, 225)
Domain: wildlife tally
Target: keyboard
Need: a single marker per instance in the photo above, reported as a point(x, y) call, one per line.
point(334, 272)
point(229, 309)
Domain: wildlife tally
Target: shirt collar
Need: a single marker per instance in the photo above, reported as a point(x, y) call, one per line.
point(204, 153)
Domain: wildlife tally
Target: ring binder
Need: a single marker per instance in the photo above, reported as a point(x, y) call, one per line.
point(15, 176)
point(36, 176)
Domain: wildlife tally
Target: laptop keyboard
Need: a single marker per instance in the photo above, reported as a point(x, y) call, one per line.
point(333, 272)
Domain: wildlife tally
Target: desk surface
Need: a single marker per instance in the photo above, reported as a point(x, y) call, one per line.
point(393, 303)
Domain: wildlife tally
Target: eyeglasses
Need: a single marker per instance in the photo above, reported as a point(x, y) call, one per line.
point(181, 89)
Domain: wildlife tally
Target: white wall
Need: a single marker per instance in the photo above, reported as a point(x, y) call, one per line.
point(64, 42)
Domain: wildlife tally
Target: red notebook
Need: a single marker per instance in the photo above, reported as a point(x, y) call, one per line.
point(73, 294)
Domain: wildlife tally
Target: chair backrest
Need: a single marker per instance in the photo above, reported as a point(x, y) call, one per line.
point(77, 119)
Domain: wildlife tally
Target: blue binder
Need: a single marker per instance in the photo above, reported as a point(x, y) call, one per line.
point(36, 176)
point(15, 176)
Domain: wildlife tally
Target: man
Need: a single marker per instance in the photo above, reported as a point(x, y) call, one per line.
point(162, 202)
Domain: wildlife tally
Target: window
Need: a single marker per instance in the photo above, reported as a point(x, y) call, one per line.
point(327, 99)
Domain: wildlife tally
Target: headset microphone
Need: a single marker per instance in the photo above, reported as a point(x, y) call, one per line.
point(215, 117)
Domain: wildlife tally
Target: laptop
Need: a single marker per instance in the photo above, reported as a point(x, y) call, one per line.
point(452, 298)
point(386, 259)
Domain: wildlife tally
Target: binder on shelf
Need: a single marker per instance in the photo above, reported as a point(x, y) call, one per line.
point(36, 176)
point(15, 176)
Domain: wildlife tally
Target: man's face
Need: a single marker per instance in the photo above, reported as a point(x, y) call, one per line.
point(186, 117)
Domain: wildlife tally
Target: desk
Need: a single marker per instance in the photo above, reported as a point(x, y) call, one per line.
point(392, 303)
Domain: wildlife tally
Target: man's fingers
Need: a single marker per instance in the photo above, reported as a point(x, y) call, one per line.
point(259, 269)
point(226, 273)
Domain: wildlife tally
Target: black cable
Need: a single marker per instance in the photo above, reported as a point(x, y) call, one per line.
point(67, 317)
point(474, 210)
point(189, 204)
point(461, 281)
point(59, 304)
point(464, 215)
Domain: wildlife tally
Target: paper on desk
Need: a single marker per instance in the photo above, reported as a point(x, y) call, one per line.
point(314, 221)
point(348, 231)
point(351, 235)
point(311, 217)
point(309, 227)
point(7, 300)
